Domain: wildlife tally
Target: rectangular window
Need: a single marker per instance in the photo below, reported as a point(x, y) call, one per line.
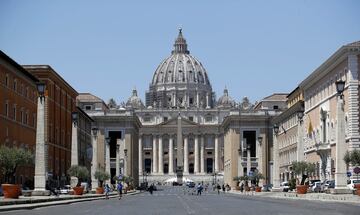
point(191, 118)
point(33, 120)
point(26, 118)
point(208, 118)
point(6, 109)
point(21, 116)
point(7, 80)
point(14, 85)
point(14, 112)
point(165, 119)
point(87, 107)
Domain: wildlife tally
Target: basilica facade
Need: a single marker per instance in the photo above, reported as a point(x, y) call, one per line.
point(215, 132)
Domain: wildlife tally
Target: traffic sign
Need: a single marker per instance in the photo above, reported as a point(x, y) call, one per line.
point(357, 170)
point(348, 174)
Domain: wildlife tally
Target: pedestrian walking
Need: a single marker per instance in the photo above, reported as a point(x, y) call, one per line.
point(242, 187)
point(223, 188)
point(107, 191)
point(199, 189)
point(119, 188)
point(151, 189)
point(218, 187)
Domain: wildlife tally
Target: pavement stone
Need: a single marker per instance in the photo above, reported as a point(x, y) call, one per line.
point(44, 201)
point(344, 198)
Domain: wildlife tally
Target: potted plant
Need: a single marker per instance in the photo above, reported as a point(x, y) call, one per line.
point(101, 176)
point(237, 179)
point(256, 177)
point(81, 173)
point(10, 160)
point(353, 158)
point(303, 169)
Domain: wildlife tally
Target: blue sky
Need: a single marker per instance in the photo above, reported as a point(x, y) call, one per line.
point(255, 48)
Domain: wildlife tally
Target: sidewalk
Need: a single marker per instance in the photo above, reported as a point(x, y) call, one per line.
point(43, 201)
point(343, 198)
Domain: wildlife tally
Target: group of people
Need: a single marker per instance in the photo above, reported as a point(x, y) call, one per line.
point(224, 188)
point(119, 189)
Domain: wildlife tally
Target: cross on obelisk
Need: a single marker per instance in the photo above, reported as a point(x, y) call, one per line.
point(179, 153)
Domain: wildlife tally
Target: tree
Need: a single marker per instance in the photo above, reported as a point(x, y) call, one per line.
point(11, 159)
point(256, 177)
point(347, 159)
point(80, 172)
point(112, 103)
point(304, 169)
point(101, 176)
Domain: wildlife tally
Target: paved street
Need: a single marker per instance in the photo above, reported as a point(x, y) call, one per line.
point(172, 200)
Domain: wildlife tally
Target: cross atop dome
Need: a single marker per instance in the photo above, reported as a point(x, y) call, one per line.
point(180, 45)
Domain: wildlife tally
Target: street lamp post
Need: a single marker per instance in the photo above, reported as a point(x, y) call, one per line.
point(74, 139)
point(340, 166)
point(300, 142)
point(40, 154)
point(276, 167)
point(94, 162)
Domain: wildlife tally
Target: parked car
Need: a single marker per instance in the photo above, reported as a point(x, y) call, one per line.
point(329, 184)
point(266, 188)
point(65, 190)
point(284, 186)
point(312, 182)
point(317, 187)
point(351, 183)
point(190, 184)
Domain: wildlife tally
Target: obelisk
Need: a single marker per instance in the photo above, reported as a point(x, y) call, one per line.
point(179, 153)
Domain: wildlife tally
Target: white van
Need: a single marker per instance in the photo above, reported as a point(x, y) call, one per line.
point(352, 182)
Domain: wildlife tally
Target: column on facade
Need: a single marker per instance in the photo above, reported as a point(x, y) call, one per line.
point(171, 155)
point(353, 103)
point(259, 154)
point(196, 155)
point(107, 159)
point(161, 156)
point(202, 155)
point(74, 145)
point(154, 170)
point(174, 99)
point(248, 160)
point(207, 101)
point(117, 166)
point(216, 157)
point(197, 99)
point(186, 155)
point(40, 161)
point(141, 161)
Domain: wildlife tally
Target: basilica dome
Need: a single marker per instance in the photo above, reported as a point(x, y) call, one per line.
point(134, 101)
point(225, 101)
point(180, 81)
point(180, 67)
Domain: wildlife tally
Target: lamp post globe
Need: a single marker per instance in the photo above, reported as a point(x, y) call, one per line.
point(276, 129)
point(340, 86)
point(74, 117)
point(95, 131)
